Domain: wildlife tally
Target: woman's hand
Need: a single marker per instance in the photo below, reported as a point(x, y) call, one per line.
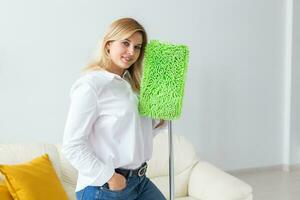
point(161, 123)
point(117, 182)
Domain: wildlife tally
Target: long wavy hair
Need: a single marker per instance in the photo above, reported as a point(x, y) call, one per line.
point(120, 29)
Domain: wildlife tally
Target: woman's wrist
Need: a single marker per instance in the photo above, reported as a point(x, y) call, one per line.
point(112, 178)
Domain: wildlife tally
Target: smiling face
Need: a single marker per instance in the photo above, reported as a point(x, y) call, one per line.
point(124, 53)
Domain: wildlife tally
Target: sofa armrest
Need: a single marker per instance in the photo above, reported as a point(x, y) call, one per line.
point(207, 182)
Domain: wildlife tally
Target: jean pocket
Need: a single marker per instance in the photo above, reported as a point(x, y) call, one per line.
point(89, 192)
point(106, 188)
point(80, 194)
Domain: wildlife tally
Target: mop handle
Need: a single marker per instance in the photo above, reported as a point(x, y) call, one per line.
point(171, 161)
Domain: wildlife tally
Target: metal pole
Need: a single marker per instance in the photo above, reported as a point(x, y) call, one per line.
point(171, 161)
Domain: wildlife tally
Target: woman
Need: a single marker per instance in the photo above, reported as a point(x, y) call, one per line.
point(105, 139)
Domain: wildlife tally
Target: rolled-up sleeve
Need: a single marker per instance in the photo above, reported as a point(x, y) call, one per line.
point(76, 147)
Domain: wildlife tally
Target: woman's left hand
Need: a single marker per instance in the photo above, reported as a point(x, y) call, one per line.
point(161, 123)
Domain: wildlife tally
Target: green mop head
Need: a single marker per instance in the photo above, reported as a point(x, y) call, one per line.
point(162, 84)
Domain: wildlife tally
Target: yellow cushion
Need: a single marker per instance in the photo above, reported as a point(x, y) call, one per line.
point(35, 180)
point(4, 193)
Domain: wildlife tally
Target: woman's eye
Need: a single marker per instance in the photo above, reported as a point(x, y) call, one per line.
point(138, 47)
point(125, 43)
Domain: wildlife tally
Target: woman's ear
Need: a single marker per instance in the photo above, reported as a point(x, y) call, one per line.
point(107, 46)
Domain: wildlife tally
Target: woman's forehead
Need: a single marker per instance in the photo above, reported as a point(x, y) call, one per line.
point(136, 37)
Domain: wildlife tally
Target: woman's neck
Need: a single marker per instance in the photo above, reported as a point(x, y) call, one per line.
point(116, 70)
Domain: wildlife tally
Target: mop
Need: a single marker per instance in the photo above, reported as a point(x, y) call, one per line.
point(162, 88)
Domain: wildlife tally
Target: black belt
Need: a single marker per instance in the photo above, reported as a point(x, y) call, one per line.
point(141, 171)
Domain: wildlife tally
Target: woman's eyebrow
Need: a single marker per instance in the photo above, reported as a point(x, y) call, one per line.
point(130, 41)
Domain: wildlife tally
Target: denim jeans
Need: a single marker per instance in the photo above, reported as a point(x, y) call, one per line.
point(138, 188)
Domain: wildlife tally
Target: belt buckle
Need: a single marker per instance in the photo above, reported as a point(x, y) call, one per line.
point(142, 170)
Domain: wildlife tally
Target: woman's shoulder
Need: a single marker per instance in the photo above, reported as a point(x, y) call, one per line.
point(95, 79)
point(97, 76)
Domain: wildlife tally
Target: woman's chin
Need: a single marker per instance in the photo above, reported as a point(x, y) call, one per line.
point(124, 66)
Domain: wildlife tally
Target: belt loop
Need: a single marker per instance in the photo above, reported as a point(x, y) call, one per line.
point(130, 173)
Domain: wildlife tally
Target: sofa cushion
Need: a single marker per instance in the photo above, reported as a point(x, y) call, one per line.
point(180, 183)
point(18, 153)
point(4, 193)
point(68, 174)
point(185, 158)
point(34, 180)
point(209, 182)
point(184, 155)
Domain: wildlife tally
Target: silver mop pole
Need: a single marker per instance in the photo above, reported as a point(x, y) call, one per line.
point(171, 161)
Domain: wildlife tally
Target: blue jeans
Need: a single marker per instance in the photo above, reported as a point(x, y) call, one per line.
point(138, 188)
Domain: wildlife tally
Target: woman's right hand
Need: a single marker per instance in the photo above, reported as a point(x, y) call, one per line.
point(117, 182)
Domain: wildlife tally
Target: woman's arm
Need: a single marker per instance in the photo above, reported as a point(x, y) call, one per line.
point(76, 147)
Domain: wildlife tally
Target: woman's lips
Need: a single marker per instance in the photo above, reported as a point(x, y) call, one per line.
point(126, 59)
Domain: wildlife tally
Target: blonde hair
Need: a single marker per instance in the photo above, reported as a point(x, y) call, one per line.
point(121, 29)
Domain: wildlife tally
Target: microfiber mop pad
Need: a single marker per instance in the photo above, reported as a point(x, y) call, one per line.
point(162, 84)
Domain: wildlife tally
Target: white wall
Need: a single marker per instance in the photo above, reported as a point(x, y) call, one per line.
point(295, 100)
point(233, 107)
point(238, 114)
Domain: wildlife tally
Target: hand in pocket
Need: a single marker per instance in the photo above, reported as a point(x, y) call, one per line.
point(117, 182)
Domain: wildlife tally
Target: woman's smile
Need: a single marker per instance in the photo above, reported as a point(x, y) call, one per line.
point(126, 59)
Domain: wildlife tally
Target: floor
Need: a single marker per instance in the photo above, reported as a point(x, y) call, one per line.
point(273, 184)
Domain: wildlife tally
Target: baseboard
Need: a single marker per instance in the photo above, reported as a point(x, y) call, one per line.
point(287, 168)
point(294, 167)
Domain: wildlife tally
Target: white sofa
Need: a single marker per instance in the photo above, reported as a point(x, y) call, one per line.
point(194, 179)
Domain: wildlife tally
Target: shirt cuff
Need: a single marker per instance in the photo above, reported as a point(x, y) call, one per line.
point(105, 175)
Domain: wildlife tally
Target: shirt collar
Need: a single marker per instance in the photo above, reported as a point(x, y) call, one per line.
point(126, 73)
point(113, 75)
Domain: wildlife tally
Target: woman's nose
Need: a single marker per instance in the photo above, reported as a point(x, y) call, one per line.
point(130, 50)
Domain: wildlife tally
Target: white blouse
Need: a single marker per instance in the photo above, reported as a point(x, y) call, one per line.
point(103, 129)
